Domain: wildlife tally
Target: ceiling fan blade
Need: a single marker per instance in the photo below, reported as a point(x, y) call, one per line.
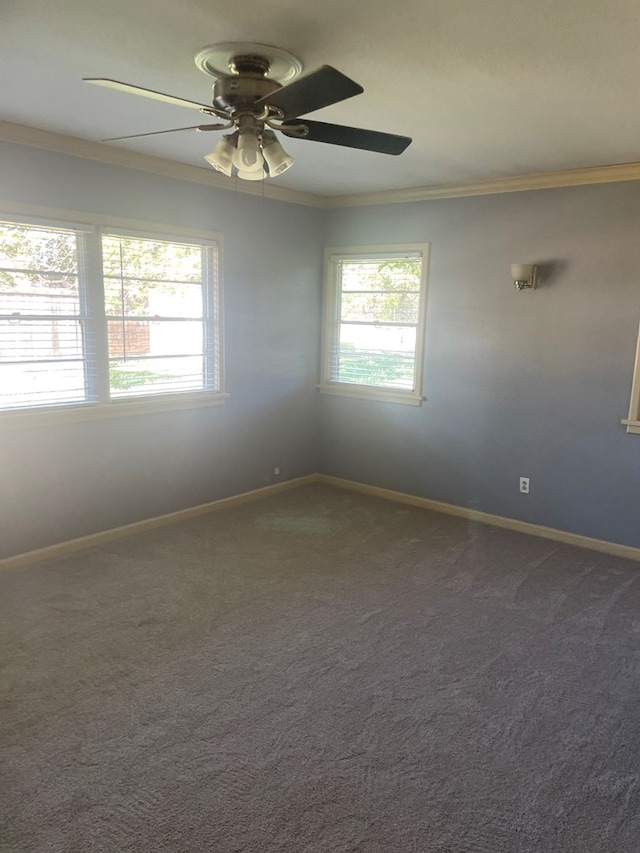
point(352, 137)
point(173, 130)
point(146, 93)
point(319, 89)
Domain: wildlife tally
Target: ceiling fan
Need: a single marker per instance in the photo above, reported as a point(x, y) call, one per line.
point(257, 93)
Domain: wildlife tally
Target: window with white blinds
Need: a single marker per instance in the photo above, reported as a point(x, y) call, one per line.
point(374, 322)
point(91, 316)
point(157, 298)
point(45, 347)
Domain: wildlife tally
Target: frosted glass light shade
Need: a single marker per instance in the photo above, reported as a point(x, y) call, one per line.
point(253, 175)
point(277, 158)
point(221, 156)
point(247, 157)
point(521, 272)
point(524, 276)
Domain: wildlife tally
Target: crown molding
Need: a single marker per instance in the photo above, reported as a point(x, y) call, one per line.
point(519, 183)
point(33, 137)
point(36, 138)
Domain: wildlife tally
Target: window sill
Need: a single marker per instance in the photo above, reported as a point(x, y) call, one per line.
point(380, 395)
point(100, 411)
point(632, 426)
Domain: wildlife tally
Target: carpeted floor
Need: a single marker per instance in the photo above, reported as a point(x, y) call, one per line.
point(322, 671)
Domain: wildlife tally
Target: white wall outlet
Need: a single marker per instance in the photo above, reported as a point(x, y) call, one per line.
point(276, 471)
point(524, 485)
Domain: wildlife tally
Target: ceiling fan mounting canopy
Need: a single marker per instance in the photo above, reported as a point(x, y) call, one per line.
point(245, 73)
point(249, 64)
point(220, 60)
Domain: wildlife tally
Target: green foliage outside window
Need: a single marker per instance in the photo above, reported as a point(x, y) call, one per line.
point(385, 291)
point(33, 258)
point(379, 303)
point(379, 368)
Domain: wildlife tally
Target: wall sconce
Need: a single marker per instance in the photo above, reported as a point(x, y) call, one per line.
point(524, 276)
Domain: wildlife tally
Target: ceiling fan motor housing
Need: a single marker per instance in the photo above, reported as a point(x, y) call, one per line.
point(240, 92)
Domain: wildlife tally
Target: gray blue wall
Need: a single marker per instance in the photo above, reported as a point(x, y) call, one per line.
point(69, 480)
point(530, 383)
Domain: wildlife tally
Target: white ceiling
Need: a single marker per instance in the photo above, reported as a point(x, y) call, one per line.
point(486, 88)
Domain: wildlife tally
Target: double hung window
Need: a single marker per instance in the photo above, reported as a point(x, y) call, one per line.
point(375, 301)
point(92, 317)
point(43, 316)
point(158, 301)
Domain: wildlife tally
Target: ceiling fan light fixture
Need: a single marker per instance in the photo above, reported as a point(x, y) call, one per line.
point(248, 156)
point(221, 158)
point(256, 89)
point(276, 157)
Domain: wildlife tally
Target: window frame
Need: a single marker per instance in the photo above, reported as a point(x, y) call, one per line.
point(333, 255)
point(91, 281)
point(633, 421)
point(82, 234)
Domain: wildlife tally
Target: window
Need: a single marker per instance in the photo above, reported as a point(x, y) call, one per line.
point(633, 421)
point(93, 317)
point(44, 352)
point(375, 301)
point(156, 305)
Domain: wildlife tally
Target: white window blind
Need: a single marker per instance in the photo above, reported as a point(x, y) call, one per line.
point(45, 339)
point(374, 320)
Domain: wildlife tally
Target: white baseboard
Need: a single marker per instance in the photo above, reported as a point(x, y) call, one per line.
point(563, 536)
point(63, 548)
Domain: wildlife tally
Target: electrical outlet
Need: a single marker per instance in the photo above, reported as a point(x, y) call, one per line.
point(276, 471)
point(524, 485)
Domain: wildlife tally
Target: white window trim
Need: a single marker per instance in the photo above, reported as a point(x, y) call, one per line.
point(94, 226)
point(633, 421)
point(369, 392)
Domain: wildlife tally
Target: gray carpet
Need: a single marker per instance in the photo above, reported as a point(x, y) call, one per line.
point(322, 671)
